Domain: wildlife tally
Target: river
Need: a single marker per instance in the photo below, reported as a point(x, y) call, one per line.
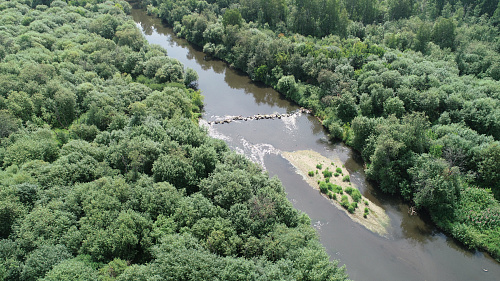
point(413, 250)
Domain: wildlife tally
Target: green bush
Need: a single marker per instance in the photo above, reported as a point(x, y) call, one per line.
point(336, 174)
point(319, 166)
point(327, 173)
point(327, 180)
point(356, 195)
point(336, 188)
point(351, 209)
point(366, 203)
point(349, 190)
point(330, 195)
point(346, 178)
point(311, 173)
point(344, 202)
point(323, 187)
point(338, 170)
point(334, 196)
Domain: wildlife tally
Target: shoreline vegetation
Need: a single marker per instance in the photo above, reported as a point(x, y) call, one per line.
point(306, 161)
point(415, 91)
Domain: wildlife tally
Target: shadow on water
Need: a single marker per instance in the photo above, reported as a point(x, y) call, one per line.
point(413, 250)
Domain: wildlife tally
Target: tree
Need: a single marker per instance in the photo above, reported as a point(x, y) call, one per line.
point(191, 78)
point(71, 270)
point(45, 226)
point(347, 108)
point(21, 105)
point(170, 71)
point(38, 145)
point(423, 36)
point(394, 106)
point(489, 169)
point(399, 9)
point(175, 169)
point(436, 184)
point(287, 86)
point(227, 188)
point(232, 17)
point(42, 260)
point(8, 123)
point(443, 33)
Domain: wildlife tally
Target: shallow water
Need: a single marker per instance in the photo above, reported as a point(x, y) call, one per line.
point(413, 250)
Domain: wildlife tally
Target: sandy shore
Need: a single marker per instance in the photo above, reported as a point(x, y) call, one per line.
point(305, 161)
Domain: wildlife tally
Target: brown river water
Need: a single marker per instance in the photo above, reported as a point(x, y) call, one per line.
point(413, 250)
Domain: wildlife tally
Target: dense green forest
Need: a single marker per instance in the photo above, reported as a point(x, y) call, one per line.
point(105, 174)
point(412, 85)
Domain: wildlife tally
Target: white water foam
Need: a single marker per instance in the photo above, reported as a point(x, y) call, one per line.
point(291, 122)
point(257, 152)
point(253, 152)
point(213, 132)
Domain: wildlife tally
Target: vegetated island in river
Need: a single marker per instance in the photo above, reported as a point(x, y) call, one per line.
point(333, 181)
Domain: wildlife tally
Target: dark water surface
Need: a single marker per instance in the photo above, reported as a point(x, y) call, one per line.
point(414, 248)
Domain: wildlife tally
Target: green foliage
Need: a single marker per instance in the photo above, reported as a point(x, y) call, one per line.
point(344, 202)
point(232, 17)
point(42, 260)
point(349, 190)
point(338, 170)
point(38, 145)
point(489, 169)
point(335, 188)
point(443, 33)
point(346, 178)
point(311, 173)
point(323, 187)
point(356, 195)
point(352, 207)
point(72, 270)
point(327, 173)
point(437, 186)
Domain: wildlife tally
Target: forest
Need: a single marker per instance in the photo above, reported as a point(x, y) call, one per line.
point(412, 85)
point(105, 173)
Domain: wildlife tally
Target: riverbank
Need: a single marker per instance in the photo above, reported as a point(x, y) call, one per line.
point(307, 161)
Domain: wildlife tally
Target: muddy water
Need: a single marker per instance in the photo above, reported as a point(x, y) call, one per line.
point(413, 250)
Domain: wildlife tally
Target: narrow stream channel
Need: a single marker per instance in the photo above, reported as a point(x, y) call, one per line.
point(413, 250)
